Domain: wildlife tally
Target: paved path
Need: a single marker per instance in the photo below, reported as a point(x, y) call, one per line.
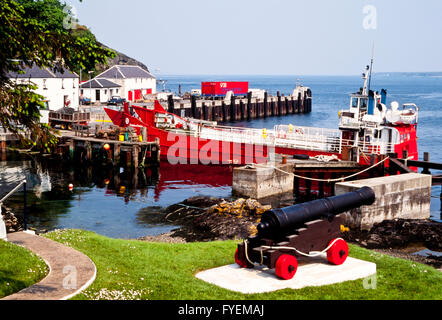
point(70, 271)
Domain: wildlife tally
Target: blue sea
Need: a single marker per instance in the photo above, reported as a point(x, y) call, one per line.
point(97, 205)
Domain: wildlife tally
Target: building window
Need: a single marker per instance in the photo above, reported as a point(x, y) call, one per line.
point(62, 83)
point(117, 90)
point(105, 91)
point(44, 85)
point(81, 91)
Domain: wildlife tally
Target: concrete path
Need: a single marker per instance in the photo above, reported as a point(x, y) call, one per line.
point(70, 271)
point(311, 272)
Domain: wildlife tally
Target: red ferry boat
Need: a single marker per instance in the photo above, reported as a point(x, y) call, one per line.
point(367, 128)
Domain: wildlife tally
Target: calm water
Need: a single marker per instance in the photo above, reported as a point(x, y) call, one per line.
point(120, 204)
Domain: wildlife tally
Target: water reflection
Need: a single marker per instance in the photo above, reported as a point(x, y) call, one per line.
point(115, 202)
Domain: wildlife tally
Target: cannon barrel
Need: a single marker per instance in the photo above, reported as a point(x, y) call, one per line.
point(279, 221)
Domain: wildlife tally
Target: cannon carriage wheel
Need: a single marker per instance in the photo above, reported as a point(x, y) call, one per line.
point(286, 266)
point(338, 252)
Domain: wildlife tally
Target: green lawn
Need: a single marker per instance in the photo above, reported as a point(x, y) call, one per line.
point(147, 270)
point(19, 268)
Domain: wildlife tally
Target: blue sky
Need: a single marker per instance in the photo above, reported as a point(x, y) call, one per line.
point(278, 37)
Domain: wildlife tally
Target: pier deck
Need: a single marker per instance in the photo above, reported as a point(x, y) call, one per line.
point(128, 153)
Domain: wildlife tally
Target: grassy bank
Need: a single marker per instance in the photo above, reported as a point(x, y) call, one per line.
point(147, 270)
point(19, 268)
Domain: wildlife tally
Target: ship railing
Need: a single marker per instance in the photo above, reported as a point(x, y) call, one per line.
point(309, 138)
point(320, 139)
point(237, 135)
point(377, 148)
point(314, 139)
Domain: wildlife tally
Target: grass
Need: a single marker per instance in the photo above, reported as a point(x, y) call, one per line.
point(131, 269)
point(19, 268)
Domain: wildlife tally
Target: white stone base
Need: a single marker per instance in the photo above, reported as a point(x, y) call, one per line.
point(311, 272)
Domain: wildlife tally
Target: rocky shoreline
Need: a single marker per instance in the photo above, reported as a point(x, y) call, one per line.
point(12, 223)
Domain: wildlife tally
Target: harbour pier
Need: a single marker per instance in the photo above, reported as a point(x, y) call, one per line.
point(79, 145)
point(238, 108)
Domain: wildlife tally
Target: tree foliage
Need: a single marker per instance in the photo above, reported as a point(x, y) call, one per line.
point(35, 32)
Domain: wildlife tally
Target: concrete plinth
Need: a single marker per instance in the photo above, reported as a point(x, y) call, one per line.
point(311, 272)
point(263, 180)
point(405, 196)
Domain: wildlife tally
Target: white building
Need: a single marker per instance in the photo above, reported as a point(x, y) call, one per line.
point(134, 81)
point(99, 90)
point(58, 89)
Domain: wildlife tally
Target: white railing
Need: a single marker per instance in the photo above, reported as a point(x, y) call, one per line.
point(10, 193)
point(309, 138)
point(294, 137)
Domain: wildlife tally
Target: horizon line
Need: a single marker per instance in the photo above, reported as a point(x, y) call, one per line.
point(294, 75)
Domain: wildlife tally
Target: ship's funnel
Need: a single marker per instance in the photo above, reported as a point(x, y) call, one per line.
point(370, 102)
point(384, 96)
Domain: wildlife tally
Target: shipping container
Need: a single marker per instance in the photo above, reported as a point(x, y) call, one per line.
point(221, 88)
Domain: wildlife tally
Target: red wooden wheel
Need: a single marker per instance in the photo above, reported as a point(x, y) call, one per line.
point(286, 266)
point(338, 252)
point(240, 262)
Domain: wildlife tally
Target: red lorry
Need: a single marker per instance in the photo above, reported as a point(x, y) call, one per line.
point(219, 88)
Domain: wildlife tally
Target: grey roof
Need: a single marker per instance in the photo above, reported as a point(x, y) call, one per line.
point(99, 83)
point(124, 72)
point(37, 72)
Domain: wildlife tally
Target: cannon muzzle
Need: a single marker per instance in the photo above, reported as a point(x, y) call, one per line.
point(277, 222)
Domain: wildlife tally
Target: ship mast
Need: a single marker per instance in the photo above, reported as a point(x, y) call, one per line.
point(365, 78)
point(367, 75)
point(371, 67)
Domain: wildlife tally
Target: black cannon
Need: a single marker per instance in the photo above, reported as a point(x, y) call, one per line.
point(301, 229)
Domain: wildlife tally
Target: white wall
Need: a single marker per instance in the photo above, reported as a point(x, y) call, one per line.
point(56, 90)
point(105, 94)
point(131, 84)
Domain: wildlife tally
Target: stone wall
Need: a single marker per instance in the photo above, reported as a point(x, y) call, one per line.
point(262, 181)
point(405, 196)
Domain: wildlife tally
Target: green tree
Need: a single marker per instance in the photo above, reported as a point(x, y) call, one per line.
point(36, 33)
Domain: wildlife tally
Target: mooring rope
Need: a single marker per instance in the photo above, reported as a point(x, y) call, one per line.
point(325, 180)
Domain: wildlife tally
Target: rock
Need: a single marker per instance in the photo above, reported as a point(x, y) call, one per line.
point(12, 223)
point(207, 218)
point(400, 233)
